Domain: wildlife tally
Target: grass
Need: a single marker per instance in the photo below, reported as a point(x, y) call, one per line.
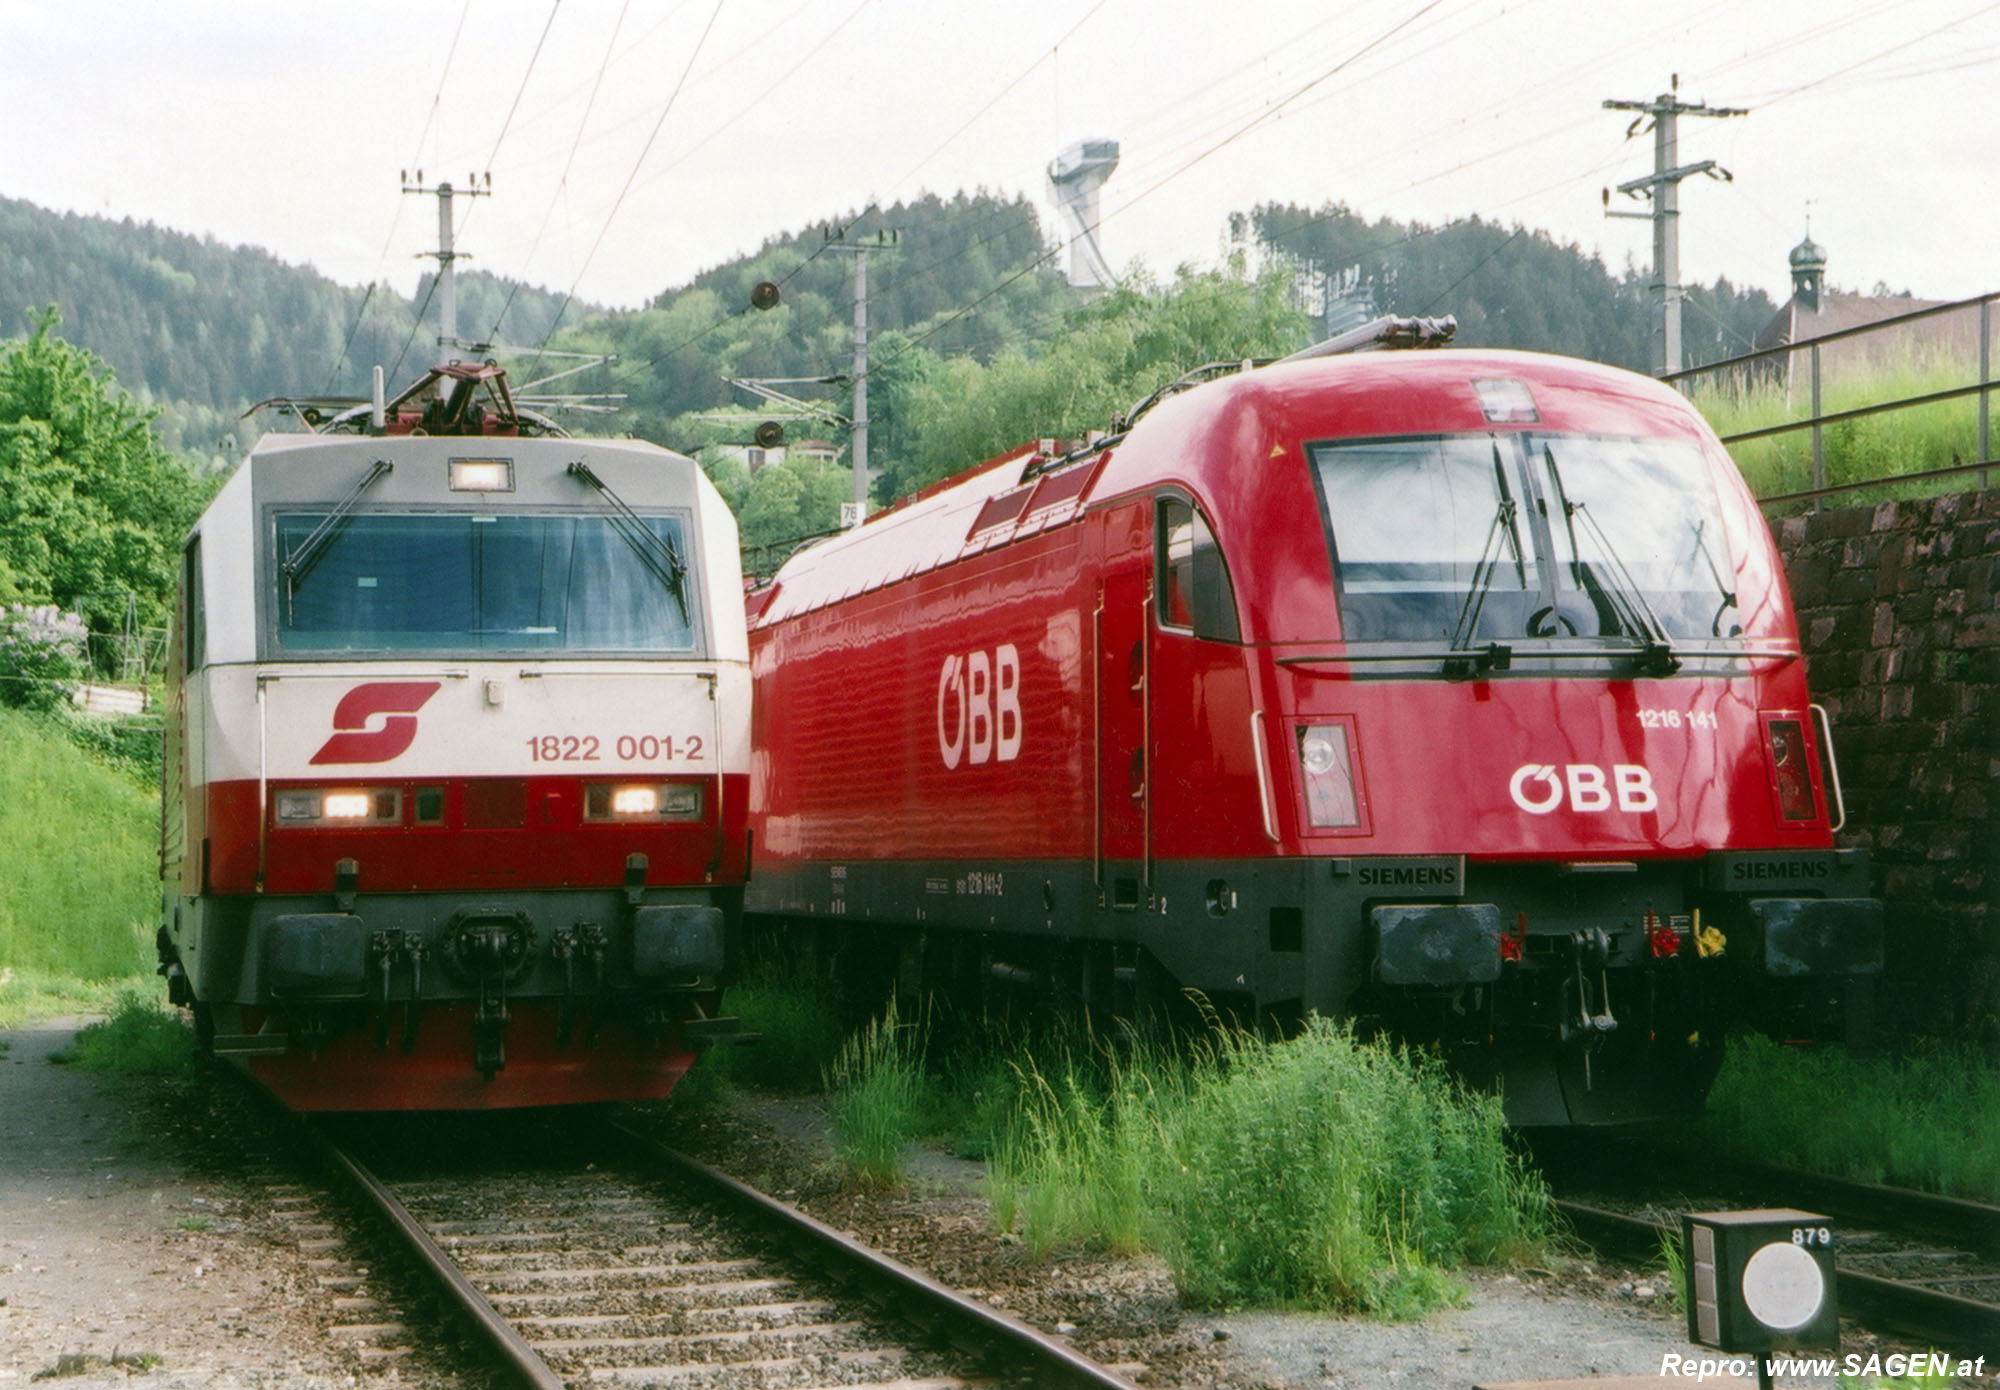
point(1673, 1263)
point(142, 1037)
point(28, 995)
point(81, 893)
point(1929, 1119)
point(798, 1029)
point(1317, 1172)
point(882, 1099)
point(1910, 440)
point(72, 1363)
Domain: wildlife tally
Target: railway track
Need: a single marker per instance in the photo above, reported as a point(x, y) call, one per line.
point(1910, 1262)
point(608, 1259)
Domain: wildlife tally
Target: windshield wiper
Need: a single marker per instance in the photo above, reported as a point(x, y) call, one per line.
point(655, 551)
point(1495, 656)
point(1627, 600)
point(1624, 595)
point(306, 553)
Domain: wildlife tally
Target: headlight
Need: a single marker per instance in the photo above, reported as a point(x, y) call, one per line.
point(641, 801)
point(1328, 768)
point(302, 806)
point(1319, 751)
point(482, 475)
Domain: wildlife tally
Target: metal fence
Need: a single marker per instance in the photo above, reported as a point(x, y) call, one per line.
point(1773, 363)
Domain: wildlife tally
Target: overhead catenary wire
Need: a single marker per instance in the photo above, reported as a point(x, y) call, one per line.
point(583, 123)
point(637, 164)
point(1245, 129)
point(933, 330)
point(396, 220)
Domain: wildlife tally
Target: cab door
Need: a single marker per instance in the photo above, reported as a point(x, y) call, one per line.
point(1122, 702)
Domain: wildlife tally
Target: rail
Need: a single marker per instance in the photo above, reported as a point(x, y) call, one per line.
point(1933, 1306)
point(971, 1325)
point(1747, 366)
point(521, 1364)
point(1892, 1304)
point(937, 1313)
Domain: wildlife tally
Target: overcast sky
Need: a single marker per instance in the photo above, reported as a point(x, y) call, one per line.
point(633, 143)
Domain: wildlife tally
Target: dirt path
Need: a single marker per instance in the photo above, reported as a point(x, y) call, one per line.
point(137, 1249)
point(117, 1262)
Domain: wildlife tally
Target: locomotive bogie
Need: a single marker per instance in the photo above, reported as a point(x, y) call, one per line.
point(457, 768)
point(1343, 687)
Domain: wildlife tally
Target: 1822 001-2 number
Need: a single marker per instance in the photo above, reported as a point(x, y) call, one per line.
point(628, 748)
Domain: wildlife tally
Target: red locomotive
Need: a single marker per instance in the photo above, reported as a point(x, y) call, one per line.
point(457, 760)
point(1457, 692)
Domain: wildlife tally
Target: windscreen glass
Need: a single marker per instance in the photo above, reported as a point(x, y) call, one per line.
point(461, 583)
point(1471, 539)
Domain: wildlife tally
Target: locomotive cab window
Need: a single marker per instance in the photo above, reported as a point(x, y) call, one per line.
point(194, 610)
point(1195, 590)
point(1458, 542)
point(459, 582)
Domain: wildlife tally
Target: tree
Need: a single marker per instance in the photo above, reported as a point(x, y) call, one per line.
point(91, 506)
point(950, 414)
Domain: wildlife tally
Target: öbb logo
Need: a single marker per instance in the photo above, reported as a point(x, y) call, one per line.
point(979, 707)
point(395, 703)
point(1539, 788)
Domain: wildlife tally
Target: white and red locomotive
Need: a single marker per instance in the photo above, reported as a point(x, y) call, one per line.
point(456, 764)
point(1456, 692)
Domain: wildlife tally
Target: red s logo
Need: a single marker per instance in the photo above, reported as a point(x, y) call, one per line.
point(398, 701)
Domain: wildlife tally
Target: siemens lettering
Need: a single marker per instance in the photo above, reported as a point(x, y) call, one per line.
point(1779, 870)
point(1409, 876)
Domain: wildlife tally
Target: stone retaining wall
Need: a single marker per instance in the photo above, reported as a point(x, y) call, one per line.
point(1897, 609)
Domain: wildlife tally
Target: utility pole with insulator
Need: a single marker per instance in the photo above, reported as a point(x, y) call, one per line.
point(1662, 186)
point(447, 288)
point(857, 437)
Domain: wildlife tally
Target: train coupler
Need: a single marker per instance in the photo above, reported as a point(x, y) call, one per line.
point(1591, 951)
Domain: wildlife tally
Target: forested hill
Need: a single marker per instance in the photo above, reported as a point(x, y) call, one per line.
point(206, 329)
point(1507, 286)
point(970, 275)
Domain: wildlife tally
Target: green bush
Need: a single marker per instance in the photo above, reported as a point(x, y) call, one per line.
point(1315, 1172)
point(141, 1038)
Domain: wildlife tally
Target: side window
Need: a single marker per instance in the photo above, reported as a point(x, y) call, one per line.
point(194, 612)
point(1195, 594)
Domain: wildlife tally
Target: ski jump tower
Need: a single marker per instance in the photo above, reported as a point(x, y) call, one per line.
point(1075, 176)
